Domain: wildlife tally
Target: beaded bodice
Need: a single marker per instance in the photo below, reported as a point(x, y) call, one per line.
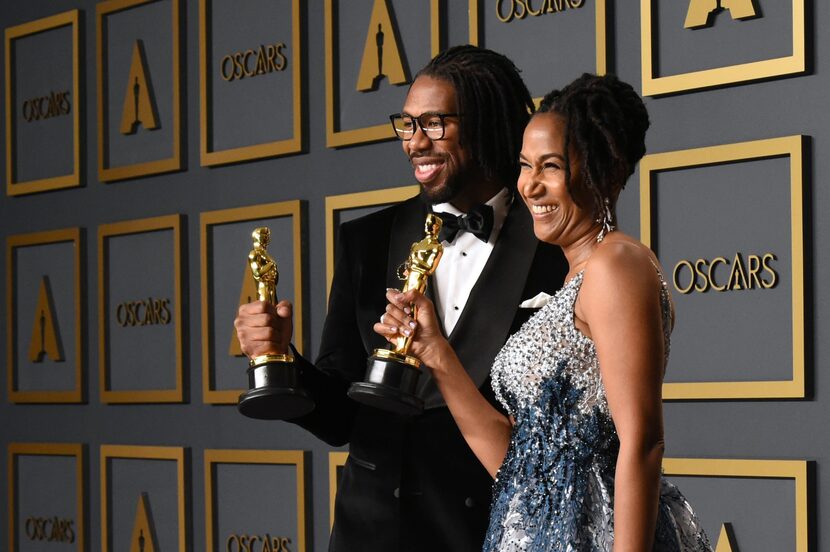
point(554, 491)
point(548, 345)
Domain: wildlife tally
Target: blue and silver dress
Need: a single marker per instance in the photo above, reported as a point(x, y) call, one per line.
point(555, 489)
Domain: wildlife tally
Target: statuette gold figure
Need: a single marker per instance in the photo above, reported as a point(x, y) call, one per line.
point(275, 391)
point(419, 266)
point(392, 374)
point(263, 266)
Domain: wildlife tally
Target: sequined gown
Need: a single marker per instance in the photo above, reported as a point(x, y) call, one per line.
point(555, 490)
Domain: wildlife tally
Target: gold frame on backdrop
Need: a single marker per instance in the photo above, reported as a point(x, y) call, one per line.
point(274, 457)
point(105, 231)
point(336, 138)
point(287, 146)
point(733, 74)
point(787, 146)
point(28, 240)
point(129, 452)
point(336, 460)
point(172, 163)
point(207, 219)
point(600, 30)
point(796, 470)
point(53, 182)
point(75, 450)
point(335, 203)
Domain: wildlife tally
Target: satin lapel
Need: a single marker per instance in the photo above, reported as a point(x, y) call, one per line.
point(402, 230)
point(485, 322)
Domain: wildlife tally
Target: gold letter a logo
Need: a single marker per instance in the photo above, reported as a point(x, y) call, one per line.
point(381, 55)
point(726, 541)
point(139, 106)
point(700, 11)
point(45, 338)
point(144, 535)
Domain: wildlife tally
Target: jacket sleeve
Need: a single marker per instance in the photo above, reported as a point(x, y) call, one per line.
point(342, 357)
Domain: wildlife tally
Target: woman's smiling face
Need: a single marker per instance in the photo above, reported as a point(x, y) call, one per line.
point(557, 218)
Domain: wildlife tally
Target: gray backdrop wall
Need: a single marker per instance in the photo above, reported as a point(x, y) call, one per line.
point(748, 454)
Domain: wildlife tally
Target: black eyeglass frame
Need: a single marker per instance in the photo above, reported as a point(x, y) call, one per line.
point(419, 124)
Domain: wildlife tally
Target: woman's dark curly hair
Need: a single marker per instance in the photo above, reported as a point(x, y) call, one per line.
point(606, 124)
point(494, 103)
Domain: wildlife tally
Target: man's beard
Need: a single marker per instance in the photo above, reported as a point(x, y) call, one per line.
point(445, 193)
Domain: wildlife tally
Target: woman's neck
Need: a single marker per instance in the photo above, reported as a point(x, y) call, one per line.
point(578, 251)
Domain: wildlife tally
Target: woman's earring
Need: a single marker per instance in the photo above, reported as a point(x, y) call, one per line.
point(605, 222)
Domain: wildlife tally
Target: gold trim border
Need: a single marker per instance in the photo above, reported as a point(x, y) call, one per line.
point(787, 146)
point(130, 452)
point(733, 74)
point(335, 203)
point(75, 450)
point(600, 33)
point(207, 219)
point(335, 137)
point(53, 182)
point(172, 163)
point(105, 231)
point(35, 239)
point(257, 151)
point(798, 470)
point(276, 457)
point(336, 460)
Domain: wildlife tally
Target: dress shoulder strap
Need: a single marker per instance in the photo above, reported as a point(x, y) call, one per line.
point(666, 306)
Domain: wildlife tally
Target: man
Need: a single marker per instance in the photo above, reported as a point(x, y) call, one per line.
point(412, 483)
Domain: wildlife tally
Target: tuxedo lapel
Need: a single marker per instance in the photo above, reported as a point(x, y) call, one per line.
point(387, 246)
point(487, 317)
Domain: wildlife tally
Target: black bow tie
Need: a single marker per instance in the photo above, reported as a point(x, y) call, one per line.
point(478, 222)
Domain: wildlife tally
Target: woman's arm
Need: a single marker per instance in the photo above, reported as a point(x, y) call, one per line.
point(620, 303)
point(486, 430)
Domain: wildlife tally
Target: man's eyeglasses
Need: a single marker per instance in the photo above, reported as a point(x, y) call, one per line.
point(432, 124)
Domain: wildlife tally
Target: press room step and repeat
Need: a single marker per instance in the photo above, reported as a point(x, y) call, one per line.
point(146, 139)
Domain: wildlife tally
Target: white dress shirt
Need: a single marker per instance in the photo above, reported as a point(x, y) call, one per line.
point(463, 261)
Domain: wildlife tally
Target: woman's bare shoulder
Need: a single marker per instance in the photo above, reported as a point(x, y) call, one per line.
point(619, 263)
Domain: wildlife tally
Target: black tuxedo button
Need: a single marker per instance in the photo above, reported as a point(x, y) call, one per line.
point(397, 492)
point(469, 502)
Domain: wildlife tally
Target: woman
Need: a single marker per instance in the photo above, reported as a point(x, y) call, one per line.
point(577, 459)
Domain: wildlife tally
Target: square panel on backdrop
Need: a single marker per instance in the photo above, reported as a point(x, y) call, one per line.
point(373, 50)
point(140, 311)
point(256, 498)
point(139, 88)
point(747, 504)
point(250, 58)
point(574, 34)
point(143, 498)
point(47, 500)
point(694, 44)
point(43, 106)
point(727, 224)
point(45, 310)
point(227, 283)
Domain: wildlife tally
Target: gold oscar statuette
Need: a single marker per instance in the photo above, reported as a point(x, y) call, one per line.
point(392, 374)
point(274, 388)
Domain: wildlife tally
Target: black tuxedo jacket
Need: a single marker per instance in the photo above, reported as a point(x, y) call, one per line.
point(412, 483)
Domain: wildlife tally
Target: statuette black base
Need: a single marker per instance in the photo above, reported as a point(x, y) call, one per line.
point(275, 393)
point(390, 382)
